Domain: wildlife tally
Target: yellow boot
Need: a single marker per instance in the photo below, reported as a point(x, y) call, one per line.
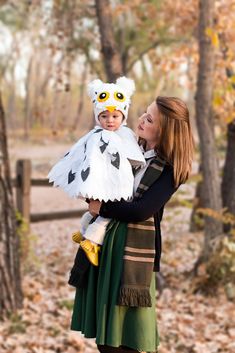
point(91, 250)
point(77, 237)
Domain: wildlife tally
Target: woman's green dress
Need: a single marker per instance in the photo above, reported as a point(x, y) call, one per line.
point(95, 311)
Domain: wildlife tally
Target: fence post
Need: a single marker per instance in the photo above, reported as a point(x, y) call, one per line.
point(23, 184)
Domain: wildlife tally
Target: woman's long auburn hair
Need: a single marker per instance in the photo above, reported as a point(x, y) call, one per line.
point(176, 144)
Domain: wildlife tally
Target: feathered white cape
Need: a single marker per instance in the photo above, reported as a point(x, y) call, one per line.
point(98, 166)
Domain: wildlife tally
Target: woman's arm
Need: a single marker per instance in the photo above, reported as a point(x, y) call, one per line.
point(151, 201)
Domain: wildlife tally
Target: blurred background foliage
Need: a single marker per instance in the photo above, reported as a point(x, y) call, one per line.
point(50, 49)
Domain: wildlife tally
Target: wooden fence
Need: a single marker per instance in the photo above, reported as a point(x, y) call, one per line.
point(23, 183)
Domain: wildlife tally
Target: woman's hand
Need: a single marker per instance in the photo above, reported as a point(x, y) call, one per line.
point(94, 207)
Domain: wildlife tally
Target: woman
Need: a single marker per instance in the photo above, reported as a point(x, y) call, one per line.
point(117, 304)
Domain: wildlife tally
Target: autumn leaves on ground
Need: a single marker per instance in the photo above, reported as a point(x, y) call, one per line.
point(188, 322)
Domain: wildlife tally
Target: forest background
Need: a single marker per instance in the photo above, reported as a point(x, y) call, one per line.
point(49, 51)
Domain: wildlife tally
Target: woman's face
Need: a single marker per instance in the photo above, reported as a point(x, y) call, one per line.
point(149, 125)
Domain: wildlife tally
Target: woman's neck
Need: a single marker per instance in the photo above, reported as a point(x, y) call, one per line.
point(149, 146)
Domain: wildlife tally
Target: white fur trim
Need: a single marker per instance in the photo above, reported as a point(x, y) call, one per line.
point(127, 83)
point(93, 86)
point(96, 231)
point(84, 221)
point(123, 85)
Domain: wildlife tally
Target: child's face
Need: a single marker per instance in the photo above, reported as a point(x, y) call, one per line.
point(110, 120)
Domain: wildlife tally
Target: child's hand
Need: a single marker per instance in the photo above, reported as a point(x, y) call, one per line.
point(94, 207)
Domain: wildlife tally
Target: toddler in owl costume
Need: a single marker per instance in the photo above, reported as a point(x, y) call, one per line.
point(99, 165)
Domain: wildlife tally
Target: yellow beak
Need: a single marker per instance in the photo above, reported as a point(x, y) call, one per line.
point(110, 108)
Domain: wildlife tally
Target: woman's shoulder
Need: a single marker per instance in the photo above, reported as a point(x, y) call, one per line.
point(168, 168)
point(162, 165)
point(166, 178)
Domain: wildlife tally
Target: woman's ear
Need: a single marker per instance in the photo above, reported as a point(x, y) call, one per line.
point(93, 86)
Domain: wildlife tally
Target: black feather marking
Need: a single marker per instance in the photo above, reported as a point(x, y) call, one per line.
point(101, 140)
point(66, 154)
point(71, 177)
point(98, 130)
point(116, 161)
point(85, 173)
point(103, 147)
point(93, 101)
point(85, 148)
point(125, 107)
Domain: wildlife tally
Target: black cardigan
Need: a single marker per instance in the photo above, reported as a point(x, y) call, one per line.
point(150, 204)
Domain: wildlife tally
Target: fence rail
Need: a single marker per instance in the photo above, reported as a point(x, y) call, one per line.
point(23, 183)
point(39, 217)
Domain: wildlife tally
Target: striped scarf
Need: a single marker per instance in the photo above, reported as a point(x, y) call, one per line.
point(139, 251)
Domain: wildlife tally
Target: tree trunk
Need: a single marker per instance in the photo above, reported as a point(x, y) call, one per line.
point(10, 280)
point(210, 170)
point(28, 110)
point(11, 104)
point(81, 98)
point(42, 73)
point(196, 219)
point(111, 55)
point(228, 182)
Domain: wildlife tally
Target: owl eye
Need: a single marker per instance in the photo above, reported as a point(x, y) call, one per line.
point(103, 96)
point(119, 96)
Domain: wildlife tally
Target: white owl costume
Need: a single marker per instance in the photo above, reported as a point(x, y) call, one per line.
point(99, 165)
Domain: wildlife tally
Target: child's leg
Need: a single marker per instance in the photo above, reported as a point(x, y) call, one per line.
point(95, 231)
point(94, 237)
point(84, 222)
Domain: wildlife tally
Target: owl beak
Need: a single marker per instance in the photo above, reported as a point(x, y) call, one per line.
point(110, 108)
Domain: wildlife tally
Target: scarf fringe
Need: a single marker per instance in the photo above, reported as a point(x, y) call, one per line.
point(134, 297)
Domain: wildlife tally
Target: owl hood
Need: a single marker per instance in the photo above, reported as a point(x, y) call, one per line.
point(111, 96)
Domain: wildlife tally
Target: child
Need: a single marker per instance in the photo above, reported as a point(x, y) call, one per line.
point(99, 165)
